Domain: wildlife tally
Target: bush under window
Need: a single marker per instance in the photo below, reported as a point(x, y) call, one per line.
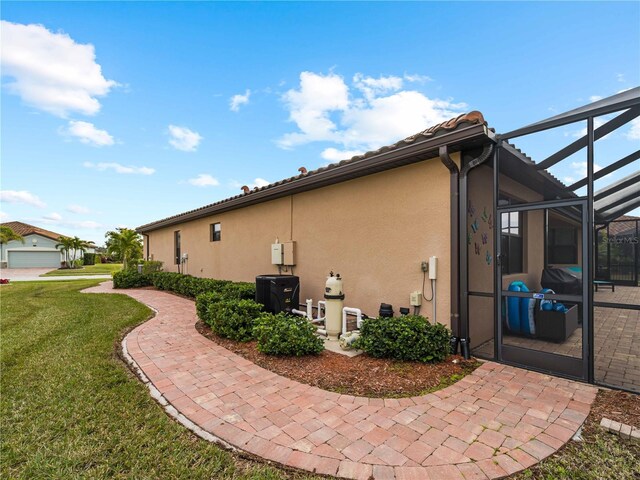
point(409, 337)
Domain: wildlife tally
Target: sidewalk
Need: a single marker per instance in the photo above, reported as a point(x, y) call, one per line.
point(492, 423)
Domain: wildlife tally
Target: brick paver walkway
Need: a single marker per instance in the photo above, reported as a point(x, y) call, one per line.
point(492, 423)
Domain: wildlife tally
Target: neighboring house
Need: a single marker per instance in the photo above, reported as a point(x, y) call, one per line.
point(456, 191)
point(38, 250)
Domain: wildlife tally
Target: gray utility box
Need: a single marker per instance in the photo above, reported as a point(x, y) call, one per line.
point(556, 326)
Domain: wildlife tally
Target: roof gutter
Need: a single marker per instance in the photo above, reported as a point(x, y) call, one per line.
point(459, 278)
point(386, 160)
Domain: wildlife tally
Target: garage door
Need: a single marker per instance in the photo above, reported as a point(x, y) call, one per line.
point(33, 259)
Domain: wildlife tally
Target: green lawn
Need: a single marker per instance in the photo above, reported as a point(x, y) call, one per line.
point(71, 409)
point(98, 269)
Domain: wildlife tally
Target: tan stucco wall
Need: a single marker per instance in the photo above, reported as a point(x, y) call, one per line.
point(373, 230)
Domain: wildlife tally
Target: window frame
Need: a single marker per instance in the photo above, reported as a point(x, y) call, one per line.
point(513, 232)
point(212, 232)
point(177, 246)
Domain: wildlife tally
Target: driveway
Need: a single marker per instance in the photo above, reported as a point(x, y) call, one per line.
point(33, 275)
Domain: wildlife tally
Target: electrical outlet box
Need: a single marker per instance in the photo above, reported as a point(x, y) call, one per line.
point(433, 267)
point(289, 253)
point(277, 253)
point(415, 299)
point(424, 266)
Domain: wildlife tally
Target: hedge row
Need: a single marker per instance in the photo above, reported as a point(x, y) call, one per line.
point(409, 337)
point(184, 284)
point(243, 320)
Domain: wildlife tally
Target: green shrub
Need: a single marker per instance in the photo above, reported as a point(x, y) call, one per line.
point(410, 337)
point(151, 266)
point(130, 279)
point(286, 335)
point(240, 290)
point(203, 301)
point(186, 284)
point(89, 258)
point(234, 319)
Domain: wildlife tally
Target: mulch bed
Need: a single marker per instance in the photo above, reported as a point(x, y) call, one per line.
point(360, 376)
point(622, 407)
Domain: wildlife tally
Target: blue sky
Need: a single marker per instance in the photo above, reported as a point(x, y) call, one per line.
point(118, 114)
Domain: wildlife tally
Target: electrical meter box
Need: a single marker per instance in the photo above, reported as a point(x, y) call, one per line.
point(277, 253)
point(415, 299)
point(289, 253)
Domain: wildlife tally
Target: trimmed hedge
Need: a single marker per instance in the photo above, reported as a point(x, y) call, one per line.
point(240, 290)
point(233, 319)
point(286, 335)
point(186, 284)
point(204, 300)
point(89, 258)
point(131, 279)
point(409, 337)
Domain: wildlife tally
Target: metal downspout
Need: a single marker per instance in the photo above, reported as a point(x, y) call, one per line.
point(459, 280)
point(455, 250)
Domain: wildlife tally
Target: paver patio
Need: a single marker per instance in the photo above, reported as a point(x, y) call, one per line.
point(494, 422)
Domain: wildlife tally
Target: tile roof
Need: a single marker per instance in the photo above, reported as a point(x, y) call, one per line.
point(25, 229)
point(471, 118)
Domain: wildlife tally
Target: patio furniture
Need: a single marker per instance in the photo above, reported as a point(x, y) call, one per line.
point(604, 284)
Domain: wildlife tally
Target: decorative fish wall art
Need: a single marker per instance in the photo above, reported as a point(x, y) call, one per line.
point(488, 258)
point(474, 226)
point(477, 247)
point(485, 238)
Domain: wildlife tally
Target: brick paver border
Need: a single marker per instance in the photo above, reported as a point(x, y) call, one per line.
point(492, 423)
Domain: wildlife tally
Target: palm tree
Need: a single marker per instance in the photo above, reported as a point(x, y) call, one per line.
point(8, 235)
point(77, 245)
point(65, 244)
point(124, 243)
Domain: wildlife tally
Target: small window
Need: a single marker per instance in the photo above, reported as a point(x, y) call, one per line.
point(176, 244)
point(215, 232)
point(511, 243)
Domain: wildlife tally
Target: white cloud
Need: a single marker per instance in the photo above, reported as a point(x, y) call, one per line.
point(87, 133)
point(53, 216)
point(204, 180)
point(335, 155)
point(4, 216)
point(58, 220)
point(620, 77)
point(238, 100)
point(375, 112)
point(309, 108)
point(634, 131)
point(257, 182)
point(372, 87)
point(417, 78)
point(118, 168)
point(21, 196)
point(184, 139)
point(579, 171)
point(51, 71)
point(78, 209)
point(594, 98)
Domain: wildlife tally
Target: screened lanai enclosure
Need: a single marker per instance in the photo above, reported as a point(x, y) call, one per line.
point(551, 267)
